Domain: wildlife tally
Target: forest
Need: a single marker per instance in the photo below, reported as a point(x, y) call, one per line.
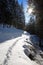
point(12, 14)
point(36, 26)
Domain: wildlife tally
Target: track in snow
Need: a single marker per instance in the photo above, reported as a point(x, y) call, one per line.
point(9, 53)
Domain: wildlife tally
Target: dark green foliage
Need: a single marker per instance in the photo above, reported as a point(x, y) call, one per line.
point(12, 13)
point(38, 11)
point(31, 26)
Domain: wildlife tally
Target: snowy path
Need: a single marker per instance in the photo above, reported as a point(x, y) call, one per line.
point(9, 53)
point(15, 53)
point(12, 41)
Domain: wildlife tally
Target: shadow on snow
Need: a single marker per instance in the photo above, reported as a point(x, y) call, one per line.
point(9, 33)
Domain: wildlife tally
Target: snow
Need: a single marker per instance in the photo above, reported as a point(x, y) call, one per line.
point(12, 41)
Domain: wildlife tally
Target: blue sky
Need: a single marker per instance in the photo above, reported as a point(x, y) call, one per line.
point(27, 16)
point(25, 9)
point(24, 3)
point(20, 1)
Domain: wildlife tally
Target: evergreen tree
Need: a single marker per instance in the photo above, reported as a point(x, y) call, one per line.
point(38, 10)
point(12, 13)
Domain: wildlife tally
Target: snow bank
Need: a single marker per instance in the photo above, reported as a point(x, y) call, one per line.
point(12, 43)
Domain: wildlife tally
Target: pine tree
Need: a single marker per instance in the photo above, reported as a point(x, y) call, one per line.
point(38, 10)
point(11, 13)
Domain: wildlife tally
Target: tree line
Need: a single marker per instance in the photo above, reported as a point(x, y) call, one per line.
point(36, 26)
point(11, 13)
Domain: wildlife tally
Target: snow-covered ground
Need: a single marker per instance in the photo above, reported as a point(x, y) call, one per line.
point(12, 43)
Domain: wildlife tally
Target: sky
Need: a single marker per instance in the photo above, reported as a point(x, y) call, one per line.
point(25, 9)
point(27, 15)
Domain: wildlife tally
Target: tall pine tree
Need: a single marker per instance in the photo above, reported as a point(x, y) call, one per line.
point(11, 13)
